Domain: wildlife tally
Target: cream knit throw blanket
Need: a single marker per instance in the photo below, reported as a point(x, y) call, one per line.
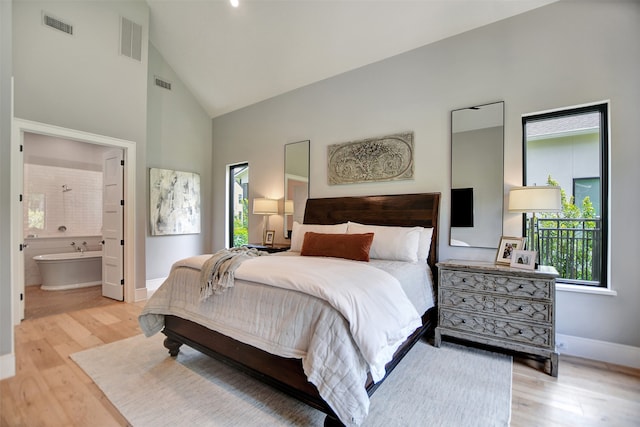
point(217, 273)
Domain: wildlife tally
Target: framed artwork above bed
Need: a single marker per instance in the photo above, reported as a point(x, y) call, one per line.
point(388, 158)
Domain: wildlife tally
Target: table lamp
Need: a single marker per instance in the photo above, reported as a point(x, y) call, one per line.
point(534, 199)
point(266, 207)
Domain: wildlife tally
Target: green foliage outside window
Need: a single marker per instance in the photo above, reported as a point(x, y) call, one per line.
point(241, 226)
point(568, 240)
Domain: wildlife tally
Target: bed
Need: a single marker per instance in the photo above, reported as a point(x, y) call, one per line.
point(298, 362)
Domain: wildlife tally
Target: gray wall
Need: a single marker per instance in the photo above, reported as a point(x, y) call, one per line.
point(179, 138)
point(81, 82)
point(6, 322)
point(564, 54)
point(53, 151)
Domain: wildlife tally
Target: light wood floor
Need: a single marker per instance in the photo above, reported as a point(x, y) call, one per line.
point(40, 303)
point(50, 390)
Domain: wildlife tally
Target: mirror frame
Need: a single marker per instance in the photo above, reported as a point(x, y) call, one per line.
point(297, 185)
point(470, 201)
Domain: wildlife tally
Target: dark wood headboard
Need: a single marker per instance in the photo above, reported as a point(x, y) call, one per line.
point(403, 210)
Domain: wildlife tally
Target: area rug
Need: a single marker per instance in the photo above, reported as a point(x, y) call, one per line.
point(448, 386)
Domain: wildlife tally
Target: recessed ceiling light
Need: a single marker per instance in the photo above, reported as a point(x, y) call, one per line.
point(235, 3)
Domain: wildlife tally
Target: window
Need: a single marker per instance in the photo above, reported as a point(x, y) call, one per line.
point(569, 148)
point(587, 187)
point(35, 211)
point(238, 193)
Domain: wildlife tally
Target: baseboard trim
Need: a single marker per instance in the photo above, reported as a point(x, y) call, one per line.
point(153, 284)
point(141, 294)
point(617, 354)
point(7, 366)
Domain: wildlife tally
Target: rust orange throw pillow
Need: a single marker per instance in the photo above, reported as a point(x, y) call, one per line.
point(349, 246)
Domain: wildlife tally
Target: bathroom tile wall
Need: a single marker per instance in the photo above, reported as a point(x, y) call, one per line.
point(78, 210)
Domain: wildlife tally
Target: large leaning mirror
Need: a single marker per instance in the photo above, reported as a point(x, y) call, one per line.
point(477, 188)
point(296, 183)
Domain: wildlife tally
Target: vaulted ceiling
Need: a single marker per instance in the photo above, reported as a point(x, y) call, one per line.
point(230, 58)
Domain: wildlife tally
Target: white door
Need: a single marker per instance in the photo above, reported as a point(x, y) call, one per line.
point(113, 225)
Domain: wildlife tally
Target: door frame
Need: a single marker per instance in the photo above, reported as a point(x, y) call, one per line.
point(20, 126)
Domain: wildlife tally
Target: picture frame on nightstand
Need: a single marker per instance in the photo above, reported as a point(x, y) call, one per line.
point(525, 260)
point(269, 236)
point(506, 248)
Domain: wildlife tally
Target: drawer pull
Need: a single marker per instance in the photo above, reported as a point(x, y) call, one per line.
point(464, 280)
point(520, 332)
point(464, 300)
point(520, 308)
point(521, 286)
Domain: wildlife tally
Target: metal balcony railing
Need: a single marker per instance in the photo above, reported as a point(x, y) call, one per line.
point(573, 246)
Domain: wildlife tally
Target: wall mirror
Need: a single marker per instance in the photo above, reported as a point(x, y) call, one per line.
point(296, 183)
point(477, 184)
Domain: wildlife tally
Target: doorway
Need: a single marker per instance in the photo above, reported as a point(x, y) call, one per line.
point(65, 189)
point(20, 127)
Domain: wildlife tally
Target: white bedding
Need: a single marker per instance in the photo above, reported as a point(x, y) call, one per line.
point(283, 320)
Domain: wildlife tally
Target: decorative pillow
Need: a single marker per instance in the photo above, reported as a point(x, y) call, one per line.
point(392, 243)
point(298, 231)
point(348, 246)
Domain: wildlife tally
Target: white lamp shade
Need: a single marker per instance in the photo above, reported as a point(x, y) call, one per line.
point(265, 206)
point(288, 207)
point(535, 199)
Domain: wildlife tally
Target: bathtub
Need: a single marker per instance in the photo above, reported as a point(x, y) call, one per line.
point(70, 270)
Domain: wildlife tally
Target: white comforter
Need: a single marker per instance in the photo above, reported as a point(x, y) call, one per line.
point(380, 315)
point(343, 319)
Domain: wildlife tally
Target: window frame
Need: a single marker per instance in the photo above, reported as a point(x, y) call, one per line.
point(602, 108)
point(230, 199)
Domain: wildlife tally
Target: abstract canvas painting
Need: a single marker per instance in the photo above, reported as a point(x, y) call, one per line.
point(174, 202)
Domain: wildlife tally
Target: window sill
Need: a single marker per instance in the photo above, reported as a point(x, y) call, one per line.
point(585, 290)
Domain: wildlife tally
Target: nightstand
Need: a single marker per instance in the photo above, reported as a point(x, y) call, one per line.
point(271, 249)
point(499, 306)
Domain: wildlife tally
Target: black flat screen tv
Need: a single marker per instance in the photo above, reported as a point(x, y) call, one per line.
point(462, 207)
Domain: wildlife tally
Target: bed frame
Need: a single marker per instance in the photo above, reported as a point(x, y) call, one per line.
point(286, 374)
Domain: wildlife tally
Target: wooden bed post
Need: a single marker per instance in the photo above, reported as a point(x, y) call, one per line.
point(173, 346)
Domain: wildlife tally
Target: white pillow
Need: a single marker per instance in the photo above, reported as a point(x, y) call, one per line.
point(424, 245)
point(298, 230)
point(392, 243)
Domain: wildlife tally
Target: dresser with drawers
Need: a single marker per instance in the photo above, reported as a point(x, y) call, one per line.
point(499, 306)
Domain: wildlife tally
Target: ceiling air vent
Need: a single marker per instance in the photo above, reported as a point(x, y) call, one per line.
point(162, 83)
point(56, 24)
point(130, 39)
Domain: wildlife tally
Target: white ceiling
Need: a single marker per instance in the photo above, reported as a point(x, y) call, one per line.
point(233, 57)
